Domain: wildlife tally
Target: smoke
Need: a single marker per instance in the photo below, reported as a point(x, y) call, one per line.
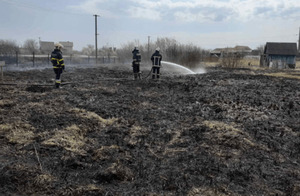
point(28, 67)
point(25, 67)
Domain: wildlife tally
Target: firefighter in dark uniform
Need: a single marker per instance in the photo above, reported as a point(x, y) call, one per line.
point(136, 63)
point(58, 63)
point(156, 63)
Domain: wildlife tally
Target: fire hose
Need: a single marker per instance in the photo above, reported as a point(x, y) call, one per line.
point(148, 74)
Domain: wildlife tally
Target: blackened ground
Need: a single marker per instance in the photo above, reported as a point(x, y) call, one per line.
point(225, 132)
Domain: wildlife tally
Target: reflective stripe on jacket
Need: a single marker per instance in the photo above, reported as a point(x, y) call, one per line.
point(136, 56)
point(57, 59)
point(156, 59)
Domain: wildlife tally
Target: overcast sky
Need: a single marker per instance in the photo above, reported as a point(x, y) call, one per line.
point(205, 23)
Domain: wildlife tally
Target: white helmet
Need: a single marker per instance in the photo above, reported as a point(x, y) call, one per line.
point(157, 49)
point(58, 46)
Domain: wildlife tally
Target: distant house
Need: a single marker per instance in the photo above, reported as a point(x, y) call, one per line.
point(216, 52)
point(279, 55)
point(46, 47)
point(68, 47)
point(242, 50)
point(256, 52)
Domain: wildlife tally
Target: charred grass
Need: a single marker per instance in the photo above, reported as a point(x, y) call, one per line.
point(226, 132)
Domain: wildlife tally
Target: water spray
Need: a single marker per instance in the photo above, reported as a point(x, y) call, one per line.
point(179, 66)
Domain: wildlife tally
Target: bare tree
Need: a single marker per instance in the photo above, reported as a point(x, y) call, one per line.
point(8, 47)
point(31, 45)
point(89, 50)
point(191, 55)
point(231, 59)
point(187, 55)
point(124, 52)
point(165, 43)
point(261, 48)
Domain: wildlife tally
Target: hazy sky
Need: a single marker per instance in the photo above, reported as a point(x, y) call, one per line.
point(205, 23)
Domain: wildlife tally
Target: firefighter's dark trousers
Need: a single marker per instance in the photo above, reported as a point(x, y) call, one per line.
point(58, 72)
point(136, 70)
point(155, 72)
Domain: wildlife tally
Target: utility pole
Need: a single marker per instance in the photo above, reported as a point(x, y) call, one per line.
point(96, 34)
point(148, 46)
point(299, 41)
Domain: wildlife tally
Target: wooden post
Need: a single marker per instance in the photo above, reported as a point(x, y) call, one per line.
point(33, 58)
point(2, 63)
point(17, 58)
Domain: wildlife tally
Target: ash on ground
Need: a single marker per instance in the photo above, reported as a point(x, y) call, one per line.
point(225, 132)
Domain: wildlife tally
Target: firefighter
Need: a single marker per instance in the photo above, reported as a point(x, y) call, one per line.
point(156, 63)
point(136, 63)
point(58, 63)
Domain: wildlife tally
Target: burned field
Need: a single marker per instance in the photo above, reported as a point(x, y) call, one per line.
point(225, 132)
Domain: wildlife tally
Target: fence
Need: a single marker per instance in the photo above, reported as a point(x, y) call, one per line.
point(36, 60)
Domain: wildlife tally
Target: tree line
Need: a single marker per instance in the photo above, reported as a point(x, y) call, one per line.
point(188, 55)
point(185, 54)
point(8, 47)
